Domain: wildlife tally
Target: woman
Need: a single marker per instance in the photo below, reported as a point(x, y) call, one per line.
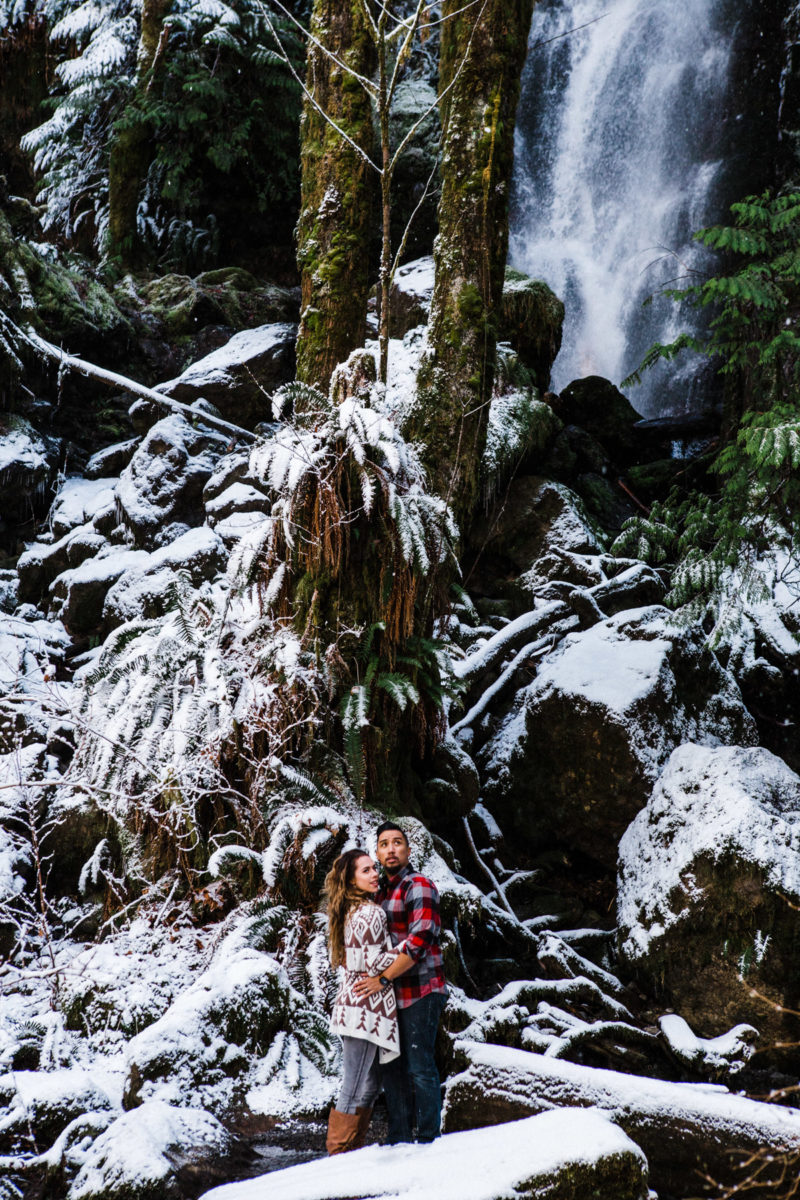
point(359, 941)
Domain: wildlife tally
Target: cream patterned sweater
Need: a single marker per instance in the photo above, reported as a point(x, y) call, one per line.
point(368, 951)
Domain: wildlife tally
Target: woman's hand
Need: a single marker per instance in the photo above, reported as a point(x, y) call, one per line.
point(368, 986)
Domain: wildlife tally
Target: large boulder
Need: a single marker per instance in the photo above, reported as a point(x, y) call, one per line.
point(534, 520)
point(578, 753)
point(78, 594)
point(567, 1155)
point(709, 890)
point(601, 410)
point(160, 492)
point(203, 1044)
point(240, 376)
point(144, 592)
point(45, 1102)
point(28, 465)
point(152, 1153)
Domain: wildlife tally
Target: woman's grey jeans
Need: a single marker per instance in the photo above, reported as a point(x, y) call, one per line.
point(360, 1082)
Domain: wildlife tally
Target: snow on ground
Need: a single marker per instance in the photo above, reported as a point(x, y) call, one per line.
point(496, 1163)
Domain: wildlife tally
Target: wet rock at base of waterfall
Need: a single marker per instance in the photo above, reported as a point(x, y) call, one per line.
point(708, 901)
point(28, 466)
point(531, 319)
point(46, 1102)
point(240, 376)
point(534, 519)
point(162, 486)
point(145, 591)
point(576, 756)
point(155, 1152)
point(594, 404)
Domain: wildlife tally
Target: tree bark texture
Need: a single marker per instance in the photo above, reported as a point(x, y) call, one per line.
point(130, 145)
point(686, 1130)
point(482, 53)
point(337, 188)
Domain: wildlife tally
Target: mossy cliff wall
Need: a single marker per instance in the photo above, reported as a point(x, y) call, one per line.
point(482, 53)
point(337, 189)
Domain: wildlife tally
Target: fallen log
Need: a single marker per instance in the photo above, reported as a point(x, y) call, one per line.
point(690, 1132)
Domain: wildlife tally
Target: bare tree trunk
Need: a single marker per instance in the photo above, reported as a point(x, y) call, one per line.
point(482, 53)
point(130, 145)
point(336, 190)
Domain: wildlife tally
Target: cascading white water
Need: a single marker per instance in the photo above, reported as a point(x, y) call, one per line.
point(620, 152)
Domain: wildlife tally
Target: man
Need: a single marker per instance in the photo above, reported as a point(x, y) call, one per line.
point(411, 904)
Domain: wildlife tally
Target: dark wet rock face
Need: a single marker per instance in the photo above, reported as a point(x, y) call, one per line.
point(709, 891)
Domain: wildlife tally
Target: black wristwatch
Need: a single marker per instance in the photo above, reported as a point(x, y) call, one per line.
point(383, 981)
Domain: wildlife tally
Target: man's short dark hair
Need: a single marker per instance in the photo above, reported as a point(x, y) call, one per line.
point(386, 826)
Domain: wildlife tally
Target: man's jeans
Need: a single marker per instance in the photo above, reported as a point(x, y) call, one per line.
point(415, 1068)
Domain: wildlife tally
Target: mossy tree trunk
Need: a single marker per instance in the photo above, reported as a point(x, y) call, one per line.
point(337, 188)
point(482, 53)
point(130, 150)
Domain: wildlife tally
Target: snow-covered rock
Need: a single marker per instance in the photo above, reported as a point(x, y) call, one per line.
point(569, 1155)
point(709, 889)
point(410, 297)
point(204, 1043)
point(144, 590)
point(538, 519)
point(240, 377)
point(78, 500)
point(683, 1128)
point(111, 460)
point(140, 1155)
point(161, 488)
point(78, 595)
point(28, 464)
point(46, 1101)
point(581, 747)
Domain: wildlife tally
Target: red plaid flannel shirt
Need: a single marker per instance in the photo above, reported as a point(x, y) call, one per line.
point(411, 904)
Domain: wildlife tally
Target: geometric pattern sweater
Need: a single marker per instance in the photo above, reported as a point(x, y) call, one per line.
point(367, 951)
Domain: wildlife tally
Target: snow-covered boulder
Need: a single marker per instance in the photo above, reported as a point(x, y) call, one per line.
point(143, 592)
point(240, 376)
point(204, 1044)
point(45, 1101)
point(78, 594)
point(684, 1128)
point(111, 460)
point(78, 500)
point(570, 1155)
point(160, 491)
point(410, 297)
point(537, 520)
point(578, 753)
point(28, 464)
point(709, 889)
point(142, 1154)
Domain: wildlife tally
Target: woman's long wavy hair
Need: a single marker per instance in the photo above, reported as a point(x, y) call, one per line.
point(341, 894)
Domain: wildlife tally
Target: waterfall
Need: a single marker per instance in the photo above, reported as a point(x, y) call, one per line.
point(625, 127)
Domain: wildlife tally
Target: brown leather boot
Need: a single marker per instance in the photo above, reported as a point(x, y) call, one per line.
point(364, 1118)
point(342, 1131)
